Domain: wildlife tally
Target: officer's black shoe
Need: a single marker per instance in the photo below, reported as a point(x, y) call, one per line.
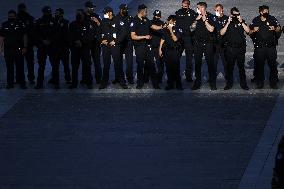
point(169, 87)
point(103, 86)
point(228, 87)
point(123, 86)
point(51, 81)
point(196, 86)
point(73, 86)
point(259, 85)
point(253, 80)
point(82, 82)
point(98, 82)
point(245, 87)
point(90, 86)
point(115, 81)
point(9, 86)
point(274, 86)
point(179, 87)
point(39, 86)
point(213, 86)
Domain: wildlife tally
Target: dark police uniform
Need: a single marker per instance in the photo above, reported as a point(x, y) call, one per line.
point(204, 44)
point(112, 30)
point(171, 51)
point(14, 42)
point(95, 48)
point(28, 22)
point(81, 34)
point(127, 47)
point(62, 51)
point(185, 18)
point(235, 40)
point(45, 28)
point(220, 44)
point(156, 38)
point(143, 50)
point(265, 49)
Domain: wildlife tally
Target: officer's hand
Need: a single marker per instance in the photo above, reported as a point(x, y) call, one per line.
point(46, 42)
point(104, 42)
point(204, 18)
point(112, 43)
point(240, 19)
point(148, 37)
point(169, 27)
point(24, 51)
point(199, 17)
point(160, 53)
point(230, 19)
point(272, 28)
point(94, 19)
point(255, 29)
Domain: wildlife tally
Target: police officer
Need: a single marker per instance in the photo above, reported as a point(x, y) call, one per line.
point(234, 32)
point(140, 34)
point(28, 21)
point(113, 34)
point(220, 19)
point(170, 47)
point(45, 28)
point(265, 28)
point(127, 45)
point(95, 20)
point(61, 44)
point(156, 38)
point(81, 35)
point(203, 29)
point(185, 18)
point(15, 46)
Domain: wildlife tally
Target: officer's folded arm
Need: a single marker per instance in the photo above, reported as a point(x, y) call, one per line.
point(160, 47)
point(135, 37)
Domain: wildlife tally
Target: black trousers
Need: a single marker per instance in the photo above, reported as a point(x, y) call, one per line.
point(233, 56)
point(62, 55)
point(13, 57)
point(29, 56)
point(189, 51)
point(96, 57)
point(145, 57)
point(268, 54)
point(220, 55)
point(172, 60)
point(79, 55)
point(159, 64)
point(115, 54)
point(42, 54)
point(127, 49)
point(208, 51)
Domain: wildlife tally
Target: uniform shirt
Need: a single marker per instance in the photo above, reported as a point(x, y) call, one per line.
point(156, 35)
point(141, 27)
point(13, 33)
point(201, 34)
point(264, 35)
point(235, 35)
point(113, 30)
point(169, 42)
point(28, 22)
point(220, 23)
point(185, 18)
point(96, 28)
point(45, 28)
point(81, 31)
point(127, 21)
point(61, 39)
